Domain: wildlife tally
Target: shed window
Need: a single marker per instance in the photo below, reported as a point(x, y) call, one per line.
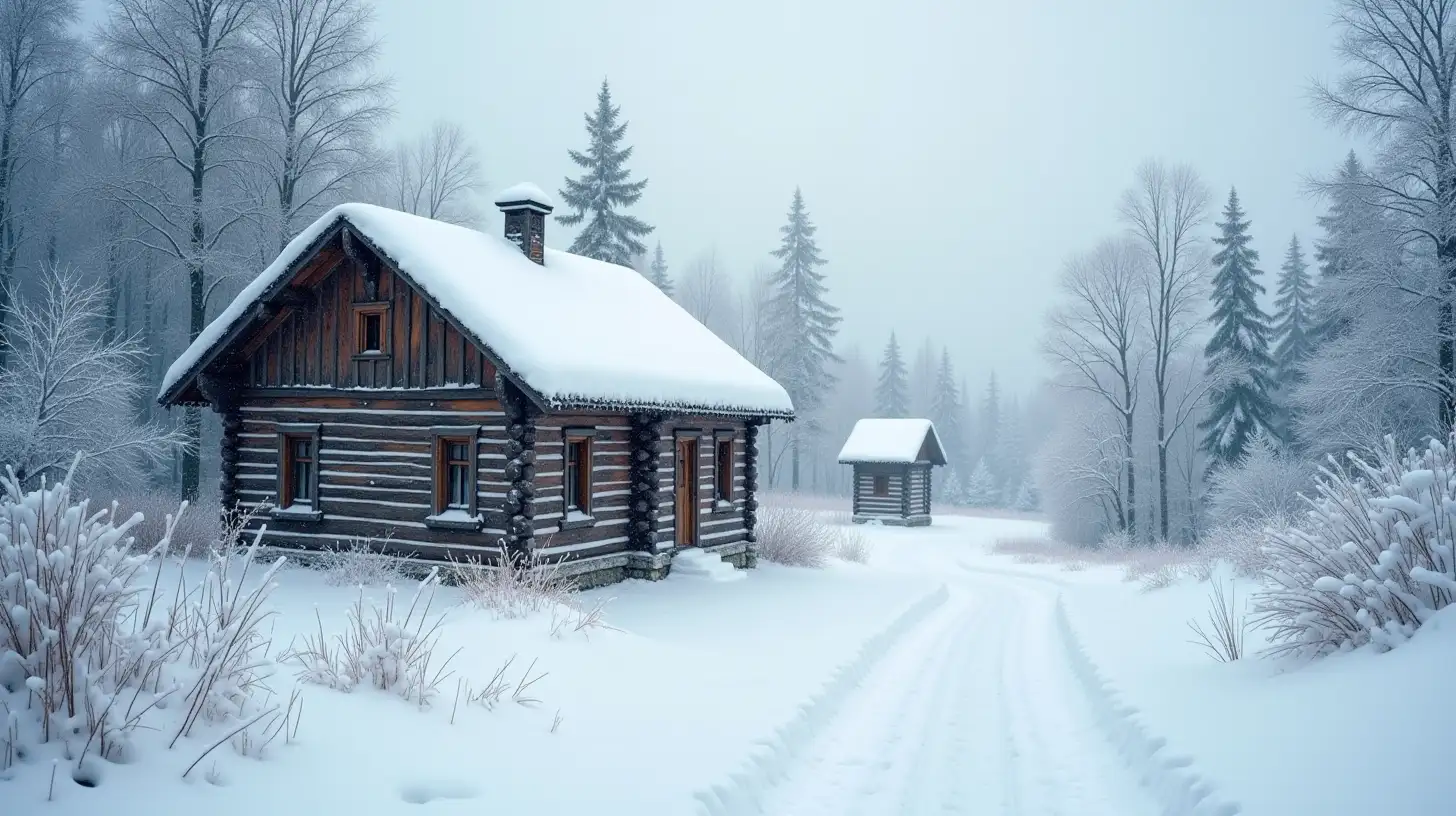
point(723, 470)
point(578, 474)
point(881, 486)
point(454, 476)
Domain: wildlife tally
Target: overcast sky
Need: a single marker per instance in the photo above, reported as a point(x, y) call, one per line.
point(952, 152)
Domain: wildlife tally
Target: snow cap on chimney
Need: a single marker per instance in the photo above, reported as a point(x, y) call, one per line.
point(526, 206)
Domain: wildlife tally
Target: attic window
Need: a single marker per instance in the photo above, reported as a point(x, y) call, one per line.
point(372, 328)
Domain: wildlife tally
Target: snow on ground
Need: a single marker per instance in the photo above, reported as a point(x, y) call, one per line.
point(939, 678)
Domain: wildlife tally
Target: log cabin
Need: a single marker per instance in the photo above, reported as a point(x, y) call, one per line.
point(892, 459)
point(446, 394)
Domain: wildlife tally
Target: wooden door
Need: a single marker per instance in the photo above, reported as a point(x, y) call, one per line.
point(685, 514)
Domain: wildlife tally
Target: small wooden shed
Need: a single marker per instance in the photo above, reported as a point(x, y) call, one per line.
point(892, 459)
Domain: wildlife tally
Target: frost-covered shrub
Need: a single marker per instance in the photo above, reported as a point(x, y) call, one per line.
point(1371, 561)
point(389, 647)
point(196, 530)
point(794, 537)
point(360, 563)
point(1243, 545)
point(92, 648)
point(517, 587)
point(1264, 484)
point(852, 546)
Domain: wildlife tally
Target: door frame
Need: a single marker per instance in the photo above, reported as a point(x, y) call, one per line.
point(693, 483)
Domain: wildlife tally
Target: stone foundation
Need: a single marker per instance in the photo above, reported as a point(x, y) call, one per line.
point(893, 521)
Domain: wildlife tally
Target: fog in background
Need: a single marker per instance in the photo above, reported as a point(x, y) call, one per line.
point(952, 153)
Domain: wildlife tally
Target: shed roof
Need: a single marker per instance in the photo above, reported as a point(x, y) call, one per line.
point(892, 441)
point(577, 332)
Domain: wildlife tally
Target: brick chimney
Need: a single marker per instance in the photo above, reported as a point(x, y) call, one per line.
point(526, 207)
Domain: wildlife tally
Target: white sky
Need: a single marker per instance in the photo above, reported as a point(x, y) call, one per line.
point(952, 152)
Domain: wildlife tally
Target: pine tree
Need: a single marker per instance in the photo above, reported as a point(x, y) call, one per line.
point(1293, 328)
point(891, 397)
point(981, 486)
point(1238, 351)
point(990, 424)
point(945, 410)
point(1026, 498)
point(803, 323)
point(657, 272)
point(951, 490)
point(609, 235)
point(1008, 458)
point(1292, 318)
point(1349, 219)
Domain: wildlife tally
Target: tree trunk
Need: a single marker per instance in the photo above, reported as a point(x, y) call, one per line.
point(1162, 479)
point(794, 458)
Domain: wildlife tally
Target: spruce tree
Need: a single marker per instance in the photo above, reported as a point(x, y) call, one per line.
point(1026, 498)
point(981, 486)
point(1347, 226)
point(990, 424)
point(891, 394)
point(606, 187)
point(1292, 316)
point(657, 272)
point(945, 410)
point(1238, 351)
point(803, 323)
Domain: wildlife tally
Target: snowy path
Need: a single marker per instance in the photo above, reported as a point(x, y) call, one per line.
point(974, 711)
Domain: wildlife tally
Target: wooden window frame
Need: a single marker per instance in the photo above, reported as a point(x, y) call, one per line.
point(585, 477)
point(723, 492)
point(876, 480)
point(363, 311)
point(287, 434)
point(441, 440)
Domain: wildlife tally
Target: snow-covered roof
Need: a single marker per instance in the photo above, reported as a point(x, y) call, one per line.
point(525, 191)
point(894, 441)
point(575, 332)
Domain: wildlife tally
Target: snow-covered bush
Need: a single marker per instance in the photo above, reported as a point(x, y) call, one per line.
point(390, 647)
point(196, 530)
point(1265, 484)
point(517, 587)
point(91, 648)
point(794, 537)
point(1372, 560)
point(360, 563)
point(852, 546)
point(1243, 545)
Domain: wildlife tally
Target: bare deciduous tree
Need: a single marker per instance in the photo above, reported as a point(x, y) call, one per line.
point(1163, 211)
point(435, 176)
point(703, 289)
point(1094, 338)
point(187, 61)
point(69, 389)
point(322, 101)
point(1401, 85)
point(34, 49)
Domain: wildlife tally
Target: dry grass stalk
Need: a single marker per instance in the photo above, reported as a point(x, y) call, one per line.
point(1224, 639)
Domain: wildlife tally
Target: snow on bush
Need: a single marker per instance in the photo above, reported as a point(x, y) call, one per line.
point(852, 547)
point(195, 530)
point(1264, 484)
point(517, 587)
point(1371, 561)
point(389, 646)
point(1243, 545)
point(794, 537)
point(91, 649)
point(360, 562)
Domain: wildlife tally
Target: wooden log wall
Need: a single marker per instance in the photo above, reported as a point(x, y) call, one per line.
point(610, 487)
point(520, 473)
point(750, 481)
point(315, 343)
point(868, 504)
point(375, 472)
point(716, 525)
point(918, 496)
